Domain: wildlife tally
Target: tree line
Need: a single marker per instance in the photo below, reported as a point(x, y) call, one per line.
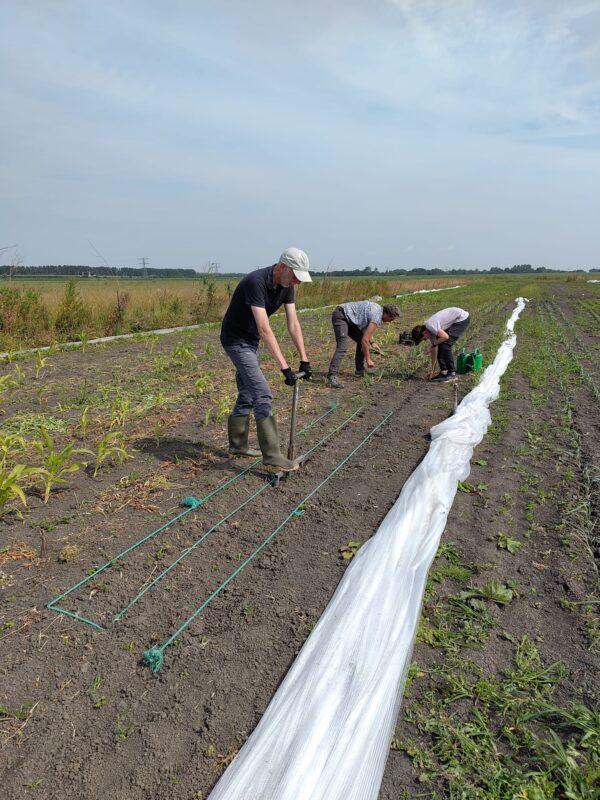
point(83, 271)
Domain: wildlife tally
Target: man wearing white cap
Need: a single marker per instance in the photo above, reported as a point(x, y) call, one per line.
point(245, 324)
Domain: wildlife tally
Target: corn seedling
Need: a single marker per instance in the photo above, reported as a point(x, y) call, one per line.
point(9, 444)
point(83, 338)
point(56, 462)
point(223, 409)
point(182, 354)
point(40, 363)
point(84, 421)
point(151, 342)
point(19, 375)
point(201, 385)
point(158, 429)
point(119, 411)
point(11, 483)
point(7, 382)
point(111, 447)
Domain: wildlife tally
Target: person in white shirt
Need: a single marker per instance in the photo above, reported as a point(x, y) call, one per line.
point(442, 330)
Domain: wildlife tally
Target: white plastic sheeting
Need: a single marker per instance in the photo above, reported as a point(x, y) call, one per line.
point(427, 291)
point(326, 733)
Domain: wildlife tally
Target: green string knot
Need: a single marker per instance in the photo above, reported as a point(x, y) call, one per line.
point(190, 502)
point(154, 658)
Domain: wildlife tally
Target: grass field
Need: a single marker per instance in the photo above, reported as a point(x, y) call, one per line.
point(38, 312)
point(99, 445)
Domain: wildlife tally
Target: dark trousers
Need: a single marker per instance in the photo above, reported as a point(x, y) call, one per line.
point(343, 330)
point(445, 355)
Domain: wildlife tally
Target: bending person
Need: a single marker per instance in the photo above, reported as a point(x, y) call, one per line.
point(442, 330)
point(245, 323)
point(358, 322)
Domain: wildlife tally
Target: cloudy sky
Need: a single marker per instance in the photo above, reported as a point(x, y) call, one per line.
point(389, 133)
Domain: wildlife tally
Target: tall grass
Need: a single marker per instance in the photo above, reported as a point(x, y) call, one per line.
point(38, 312)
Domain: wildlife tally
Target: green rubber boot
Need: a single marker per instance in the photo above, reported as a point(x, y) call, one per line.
point(268, 440)
point(237, 430)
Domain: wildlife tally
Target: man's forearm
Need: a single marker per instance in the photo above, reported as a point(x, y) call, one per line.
point(298, 340)
point(434, 352)
point(272, 345)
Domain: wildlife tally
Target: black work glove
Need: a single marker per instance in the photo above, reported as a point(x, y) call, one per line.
point(305, 368)
point(290, 377)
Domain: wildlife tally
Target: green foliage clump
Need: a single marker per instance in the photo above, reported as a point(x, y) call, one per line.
point(73, 314)
point(23, 316)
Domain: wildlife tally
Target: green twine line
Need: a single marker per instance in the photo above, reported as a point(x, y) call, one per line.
point(154, 656)
point(52, 604)
point(191, 548)
point(192, 504)
point(211, 530)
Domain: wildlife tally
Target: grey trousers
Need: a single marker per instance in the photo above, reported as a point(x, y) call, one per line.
point(254, 393)
point(343, 329)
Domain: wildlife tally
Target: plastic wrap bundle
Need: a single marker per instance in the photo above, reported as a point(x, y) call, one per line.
point(326, 733)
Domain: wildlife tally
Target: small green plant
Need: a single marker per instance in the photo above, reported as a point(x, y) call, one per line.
point(56, 462)
point(163, 549)
point(11, 483)
point(119, 412)
point(19, 375)
point(151, 343)
point(201, 385)
point(6, 626)
point(498, 592)
point(10, 444)
point(84, 421)
point(470, 488)
point(247, 610)
point(505, 542)
point(349, 550)
point(223, 409)
point(111, 447)
point(158, 429)
point(40, 363)
point(182, 354)
point(98, 701)
point(7, 382)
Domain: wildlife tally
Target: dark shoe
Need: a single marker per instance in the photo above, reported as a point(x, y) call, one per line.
point(333, 382)
point(360, 373)
point(237, 430)
point(444, 377)
point(268, 439)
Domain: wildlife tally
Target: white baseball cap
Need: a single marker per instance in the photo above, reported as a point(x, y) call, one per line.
point(297, 260)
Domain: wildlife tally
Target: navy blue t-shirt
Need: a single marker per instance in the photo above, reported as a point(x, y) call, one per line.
point(256, 289)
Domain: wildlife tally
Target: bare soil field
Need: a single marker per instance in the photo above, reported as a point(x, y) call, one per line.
point(502, 697)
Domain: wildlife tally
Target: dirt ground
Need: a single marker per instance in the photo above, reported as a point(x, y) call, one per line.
point(89, 719)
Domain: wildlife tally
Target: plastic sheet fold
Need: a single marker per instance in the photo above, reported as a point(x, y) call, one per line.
point(326, 733)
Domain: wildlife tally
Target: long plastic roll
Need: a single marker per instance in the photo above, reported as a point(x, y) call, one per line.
point(326, 733)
